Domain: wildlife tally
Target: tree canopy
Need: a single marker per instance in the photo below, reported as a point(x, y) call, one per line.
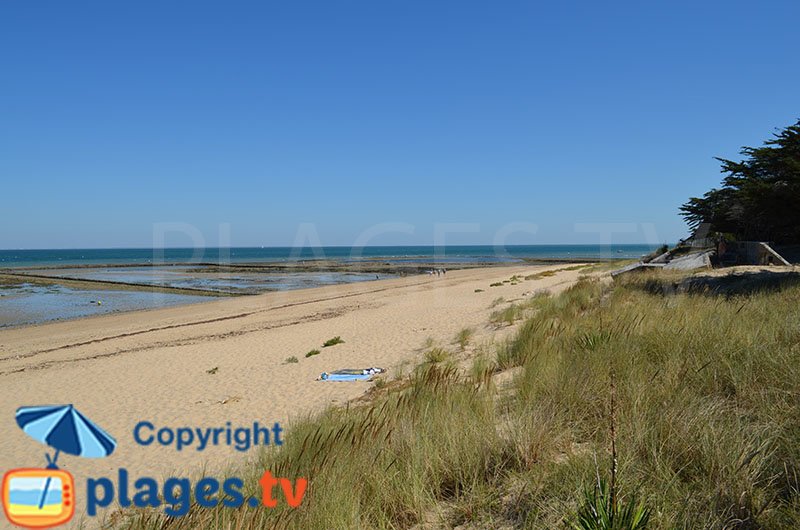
point(760, 196)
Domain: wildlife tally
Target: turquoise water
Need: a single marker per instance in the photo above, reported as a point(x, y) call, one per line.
point(445, 254)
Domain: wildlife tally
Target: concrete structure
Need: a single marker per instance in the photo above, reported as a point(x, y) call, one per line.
point(749, 253)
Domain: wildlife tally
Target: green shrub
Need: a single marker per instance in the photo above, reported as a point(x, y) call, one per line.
point(312, 353)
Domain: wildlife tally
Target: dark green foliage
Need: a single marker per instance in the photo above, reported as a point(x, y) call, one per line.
point(760, 197)
point(599, 512)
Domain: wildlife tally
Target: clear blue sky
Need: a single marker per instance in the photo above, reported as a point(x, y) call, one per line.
point(116, 116)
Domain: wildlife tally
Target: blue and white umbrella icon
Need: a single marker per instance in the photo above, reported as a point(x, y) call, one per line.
point(65, 429)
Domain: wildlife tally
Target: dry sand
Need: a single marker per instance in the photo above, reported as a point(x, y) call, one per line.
point(152, 365)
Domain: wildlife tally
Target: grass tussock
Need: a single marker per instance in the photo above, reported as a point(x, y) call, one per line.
point(496, 302)
point(436, 355)
point(705, 430)
point(463, 337)
point(311, 353)
point(333, 342)
point(506, 316)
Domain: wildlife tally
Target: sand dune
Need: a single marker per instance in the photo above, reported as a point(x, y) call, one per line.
point(153, 365)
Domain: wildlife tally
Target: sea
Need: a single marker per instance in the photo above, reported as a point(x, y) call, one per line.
point(25, 303)
point(441, 254)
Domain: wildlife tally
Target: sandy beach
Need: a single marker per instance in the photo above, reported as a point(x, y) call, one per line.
point(154, 365)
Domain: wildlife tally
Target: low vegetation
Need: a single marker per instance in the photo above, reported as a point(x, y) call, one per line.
point(436, 355)
point(540, 275)
point(463, 337)
point(497, 301)
point(630, 407)
point(311, 353)
point(293, 359)
point(506, 316)
point(333, 342)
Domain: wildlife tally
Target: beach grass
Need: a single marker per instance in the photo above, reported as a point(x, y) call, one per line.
point(695, 395)
point(497, 301)
point(507, 315)
point(333, 342)
point(463, 337)
point(436, 355)
point(540, 275)
point(310, 353)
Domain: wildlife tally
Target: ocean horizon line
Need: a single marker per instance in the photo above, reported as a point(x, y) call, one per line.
point(468, 245)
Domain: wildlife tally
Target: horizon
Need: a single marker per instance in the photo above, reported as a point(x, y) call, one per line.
point(642, 244)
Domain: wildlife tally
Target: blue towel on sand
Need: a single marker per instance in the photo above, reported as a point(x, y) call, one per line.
point(350, 374)
point(344, 377)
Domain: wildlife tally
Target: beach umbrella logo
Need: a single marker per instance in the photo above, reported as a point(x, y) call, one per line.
point(44, 497)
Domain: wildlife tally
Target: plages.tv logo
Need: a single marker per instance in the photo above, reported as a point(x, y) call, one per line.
point(45, 497)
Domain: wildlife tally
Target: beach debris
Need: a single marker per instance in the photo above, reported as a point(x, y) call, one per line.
point(212, 371)
point(229, 399)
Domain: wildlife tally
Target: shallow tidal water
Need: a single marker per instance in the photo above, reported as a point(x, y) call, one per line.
point(27, 303)
point(34, 304)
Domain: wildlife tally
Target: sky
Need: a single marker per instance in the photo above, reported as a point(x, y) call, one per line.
point(190, 123)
